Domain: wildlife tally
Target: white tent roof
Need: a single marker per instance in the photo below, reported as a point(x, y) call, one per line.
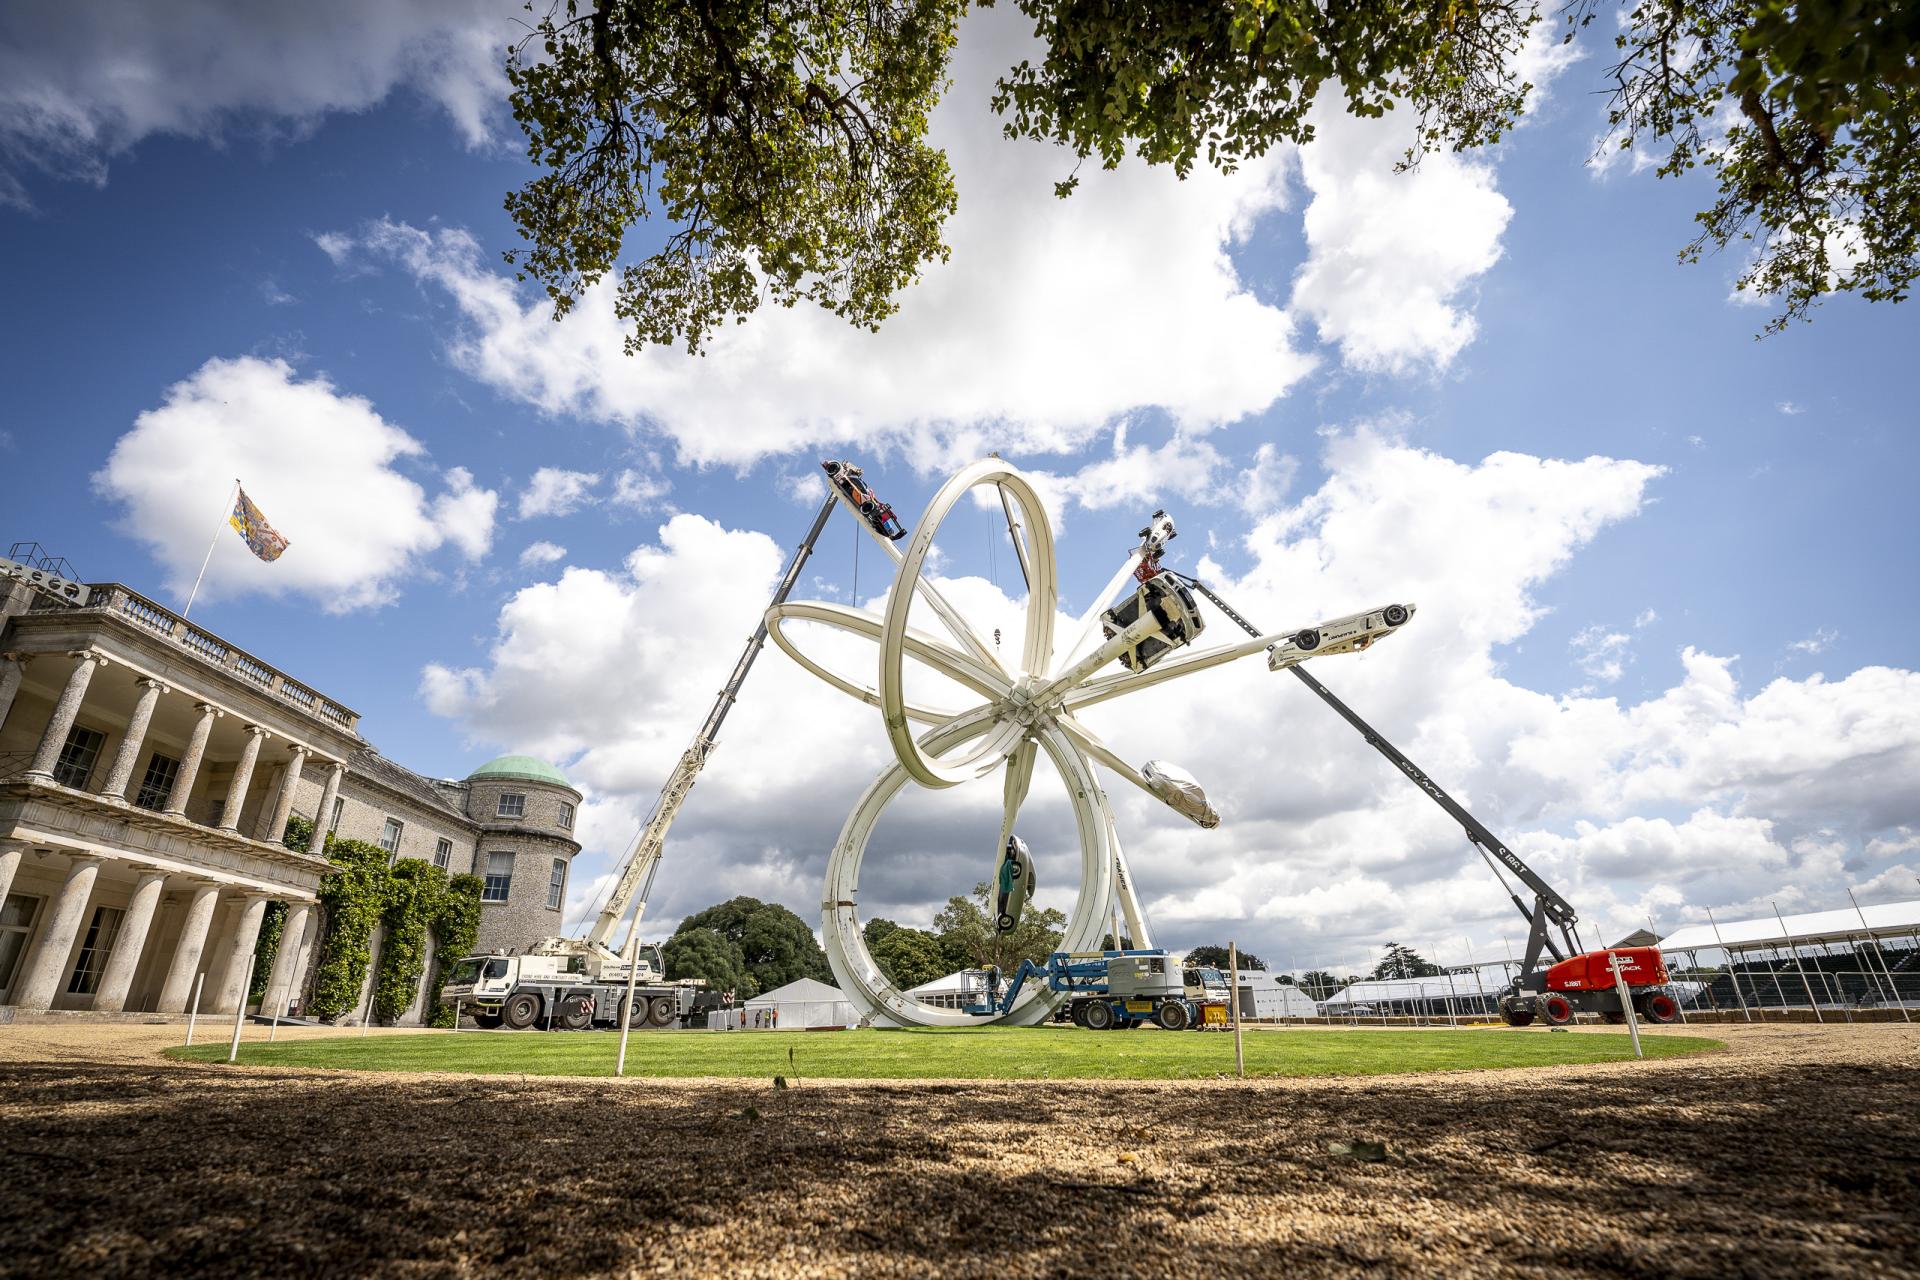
point(962, 982)
point(801, 990)
point(1808, 926)
point(1378, 989)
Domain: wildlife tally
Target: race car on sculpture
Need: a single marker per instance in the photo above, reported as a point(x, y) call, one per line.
point(846, 478)
point(1012, 884)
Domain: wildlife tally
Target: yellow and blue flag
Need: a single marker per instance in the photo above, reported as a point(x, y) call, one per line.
point(247, 521)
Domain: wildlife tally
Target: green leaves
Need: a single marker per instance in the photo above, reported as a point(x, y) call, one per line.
point(773, 946)
point(784, 144)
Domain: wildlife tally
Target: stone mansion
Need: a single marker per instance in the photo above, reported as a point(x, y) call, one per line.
point(147, 771)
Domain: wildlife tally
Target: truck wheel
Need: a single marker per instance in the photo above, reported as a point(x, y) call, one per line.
point(487, 1021)
point(639, 1016)
point(1557, 1010)
point(660, 1011)
point(521, 1010)
point(576, 1013)
point(1660, 1007)
point(1078, 1014)
point(1172, 1016)
point(1099, 1016)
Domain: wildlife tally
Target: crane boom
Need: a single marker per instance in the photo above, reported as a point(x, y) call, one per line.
point(1549, 906)
point(643, 859)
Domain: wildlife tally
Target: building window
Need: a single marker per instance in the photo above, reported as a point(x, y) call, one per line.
point(390, 835)
point(512, 805)
point(16, 926)
point(78, 757)
point(443, 854)
point(158, 782)
point(566, 815)
point(94, 950)
point(499, 877)
point(557, 884)
point(339, 807)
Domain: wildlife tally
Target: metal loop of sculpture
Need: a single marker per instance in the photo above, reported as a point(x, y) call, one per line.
point(1023, 711)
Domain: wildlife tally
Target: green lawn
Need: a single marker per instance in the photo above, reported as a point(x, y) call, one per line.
point(997, 1053)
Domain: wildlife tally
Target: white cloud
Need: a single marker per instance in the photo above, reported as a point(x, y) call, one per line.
point(640, 490)
point(322, 465)
point(1390, 255)
point(541, 553)
point(555, 491)
point(1052, 318)
point(1790, 409)
point(80, 85)
point(1265, 484)
point(1602, 654)
point(1646, 618)
point(1819, 642)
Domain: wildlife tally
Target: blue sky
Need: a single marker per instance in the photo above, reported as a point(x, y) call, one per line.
point(350, 237)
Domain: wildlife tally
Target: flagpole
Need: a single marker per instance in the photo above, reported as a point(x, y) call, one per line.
point(225, 512)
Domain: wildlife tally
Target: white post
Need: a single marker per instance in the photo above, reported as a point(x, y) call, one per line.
point(225, 513)
point(1895, 988)
point(1239, 1049)
point(194, 1011)
point(240, 1010)
point(1626, 1001)
point(1732, 973)
point(1453, 1017)
point(456, 1016)
point(626, 1019)
point(1811, 998)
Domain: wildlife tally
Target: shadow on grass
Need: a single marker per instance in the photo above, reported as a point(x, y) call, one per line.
point(176, 1169)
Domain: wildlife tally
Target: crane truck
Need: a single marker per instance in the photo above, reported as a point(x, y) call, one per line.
point(579, 983)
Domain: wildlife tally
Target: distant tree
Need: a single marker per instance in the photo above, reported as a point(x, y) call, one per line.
point(707, 953)
point(1217, 958)
point(876, 929)
point(910, 957)
point(776, 945)
point(1320, 984)
point(1108, 943)
point(1405, 962)
point(965, 928)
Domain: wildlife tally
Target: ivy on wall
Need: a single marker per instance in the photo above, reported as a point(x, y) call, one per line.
point(266, 948)
point(354, 898)
point(455, 927)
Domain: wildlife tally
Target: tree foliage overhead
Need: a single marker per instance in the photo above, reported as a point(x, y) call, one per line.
point(785, 144)
point(776, 946)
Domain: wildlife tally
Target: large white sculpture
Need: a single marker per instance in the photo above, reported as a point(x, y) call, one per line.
point(1021, 712)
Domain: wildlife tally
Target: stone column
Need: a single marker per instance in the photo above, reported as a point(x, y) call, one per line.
point(118, 977)
point(9, 864)
point(64, 712)
point(233, 984)
point(178, 988)
point(286, 960)
point(182, 789)
point(48, 962)
point(283, 802)
point(13, 669)
point(128, 756)
point(242, 779)
point(324, 814)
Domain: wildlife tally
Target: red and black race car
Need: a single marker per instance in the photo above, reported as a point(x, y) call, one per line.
point(846, 478)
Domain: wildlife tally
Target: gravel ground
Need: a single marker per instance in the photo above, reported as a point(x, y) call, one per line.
point(1796, 1152)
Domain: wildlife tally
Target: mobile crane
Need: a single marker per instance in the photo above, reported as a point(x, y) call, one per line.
point(1578, 981)
point(577, 983)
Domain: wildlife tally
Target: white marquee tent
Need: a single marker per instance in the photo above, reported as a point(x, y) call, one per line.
point(802, 1005)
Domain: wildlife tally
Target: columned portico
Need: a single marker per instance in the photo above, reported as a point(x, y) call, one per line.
point(64, 713)
point(183, 781)
point(188, 950)
point(323, 816)
point(233, 984)
point(276, 828)
point(124, 760)
point(10, 852)
point(242, 779)
point(13, 669)
point(117, 980)
point(48, 959)
point(286, 960)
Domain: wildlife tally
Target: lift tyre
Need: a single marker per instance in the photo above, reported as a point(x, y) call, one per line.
point(1557, 1010)
point(521, 1010)
point(487, 1021)
point(1516, 1018)
point(1172, 1016)
point(1078, 1014)
point(1099, 1017)
point(1659, 1007)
